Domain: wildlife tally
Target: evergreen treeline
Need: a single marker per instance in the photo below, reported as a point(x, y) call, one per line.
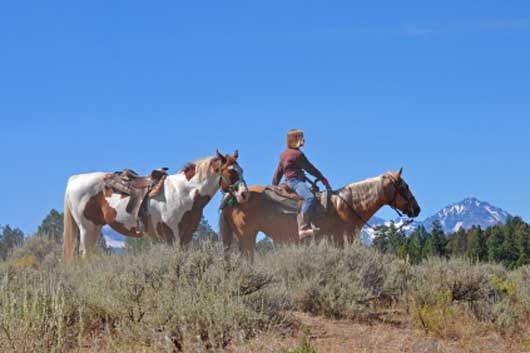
point(9, 239)
point(50, 229)
point(507, 243)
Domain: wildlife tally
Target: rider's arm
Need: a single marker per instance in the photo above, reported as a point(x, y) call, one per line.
point(310, 168)
point(277, 174)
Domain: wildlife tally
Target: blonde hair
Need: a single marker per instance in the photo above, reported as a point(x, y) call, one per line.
point(295, 138)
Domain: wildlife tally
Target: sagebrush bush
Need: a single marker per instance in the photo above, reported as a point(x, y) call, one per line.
point(37, 252)
point(521, 281)
point(171, 299)
point(166, 298)
point(446, 292)
point(339, 283)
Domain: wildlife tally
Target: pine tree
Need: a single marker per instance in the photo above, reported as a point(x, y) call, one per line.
point(439, 239)
point(52, 226)
point(510, 251)
point(10, 238)
point(477, 248)
point(457, 243)
point(397, 241)
point(415, 245)
point(380, 241)
point(494, 242)
point(205, 231)
point(522, 242)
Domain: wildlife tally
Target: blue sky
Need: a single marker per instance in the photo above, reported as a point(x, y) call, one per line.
point(441, 88)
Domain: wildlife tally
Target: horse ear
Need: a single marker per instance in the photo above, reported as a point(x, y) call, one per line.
point(236, 154)
point(398, 174)
point(219, 155)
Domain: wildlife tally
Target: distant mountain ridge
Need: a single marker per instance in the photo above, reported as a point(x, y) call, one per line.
point(467, 213)
point(464, 214)
point(113, 239)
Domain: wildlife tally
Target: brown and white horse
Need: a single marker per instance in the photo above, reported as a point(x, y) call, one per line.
point(172, 215)
point(351, 207)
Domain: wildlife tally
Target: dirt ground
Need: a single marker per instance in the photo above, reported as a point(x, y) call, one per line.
point(396, 335)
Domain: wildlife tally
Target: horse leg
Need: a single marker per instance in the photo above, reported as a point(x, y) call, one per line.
point(89, 235)
point(247, 244)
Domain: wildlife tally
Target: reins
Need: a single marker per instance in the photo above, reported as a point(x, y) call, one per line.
point(365, 223)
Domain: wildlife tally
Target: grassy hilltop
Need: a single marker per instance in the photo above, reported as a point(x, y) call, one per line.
point(167, 299)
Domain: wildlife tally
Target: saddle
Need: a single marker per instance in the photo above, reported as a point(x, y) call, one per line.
point(290, 202)
point(138, 188)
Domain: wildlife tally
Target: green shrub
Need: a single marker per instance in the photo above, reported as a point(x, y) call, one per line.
point(521, 280)
point(338, 283)
point(36, 252)
point(482, 291)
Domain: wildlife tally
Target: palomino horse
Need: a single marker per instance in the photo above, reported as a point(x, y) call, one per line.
point(351, 207)
point(171, 215)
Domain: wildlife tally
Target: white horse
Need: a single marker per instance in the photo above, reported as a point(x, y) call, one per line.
point(89, 204)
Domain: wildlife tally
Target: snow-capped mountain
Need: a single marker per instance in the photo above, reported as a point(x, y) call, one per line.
point(113, 239)
point(463, 214)
point(467, 213)
point(367, 233)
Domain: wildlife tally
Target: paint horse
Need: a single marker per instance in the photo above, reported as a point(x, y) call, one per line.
point(90, 203)
point(350, 208)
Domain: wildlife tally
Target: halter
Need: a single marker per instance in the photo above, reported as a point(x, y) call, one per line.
point(398, 190)
point(229, 187)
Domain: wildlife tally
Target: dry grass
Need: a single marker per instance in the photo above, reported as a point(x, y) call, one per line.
point(292, 299)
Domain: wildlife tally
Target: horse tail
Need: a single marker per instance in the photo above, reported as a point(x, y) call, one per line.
point(226, 231)
point(70, 232)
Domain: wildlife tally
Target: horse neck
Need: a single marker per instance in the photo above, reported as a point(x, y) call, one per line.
point(206, 185)
point(366, 197)
point(209, 186)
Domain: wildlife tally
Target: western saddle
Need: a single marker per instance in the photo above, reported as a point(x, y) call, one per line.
point(287, 194)
point(138, 188)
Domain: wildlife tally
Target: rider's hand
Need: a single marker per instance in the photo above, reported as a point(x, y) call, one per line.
point(326, 184)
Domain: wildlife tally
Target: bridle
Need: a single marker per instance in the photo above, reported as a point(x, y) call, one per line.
point(229, 188)
point(399, 189)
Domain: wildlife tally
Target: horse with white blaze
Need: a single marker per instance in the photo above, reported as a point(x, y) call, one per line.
point(172, 214)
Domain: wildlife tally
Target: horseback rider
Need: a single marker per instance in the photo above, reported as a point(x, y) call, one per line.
point(292, 164)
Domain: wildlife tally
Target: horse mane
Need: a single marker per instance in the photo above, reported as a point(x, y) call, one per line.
point(199, 168)
point(362, 194)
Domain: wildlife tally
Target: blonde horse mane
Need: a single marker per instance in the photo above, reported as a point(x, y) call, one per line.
point(201, 168)
point(363, 194)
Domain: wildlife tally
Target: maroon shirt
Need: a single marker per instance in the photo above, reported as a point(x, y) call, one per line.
point(292, 164)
